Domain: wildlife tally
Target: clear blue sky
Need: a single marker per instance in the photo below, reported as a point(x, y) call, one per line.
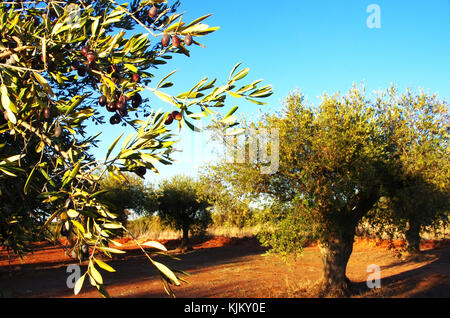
point(314, 46)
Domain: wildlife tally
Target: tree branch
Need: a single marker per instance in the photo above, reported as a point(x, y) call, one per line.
point(45, 139)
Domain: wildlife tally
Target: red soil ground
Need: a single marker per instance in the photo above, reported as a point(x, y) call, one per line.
point(232, 268)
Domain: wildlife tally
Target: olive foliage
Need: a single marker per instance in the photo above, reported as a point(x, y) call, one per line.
point(183, 206)
point(61, 62)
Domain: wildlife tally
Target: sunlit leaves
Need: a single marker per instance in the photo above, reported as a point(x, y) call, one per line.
point(45, 85)
point(156, 245)
point(8, 105)
point(79, 226)
point(111, 250)
point(166, 272)
point(78, 285)
point(8, 166)
point(49, 95)
point(199, 96)
point(104, 266)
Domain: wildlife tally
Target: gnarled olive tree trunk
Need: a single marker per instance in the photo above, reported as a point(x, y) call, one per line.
point(336, 245)
point(412, 236)
point(185, 244)
point(336, 251)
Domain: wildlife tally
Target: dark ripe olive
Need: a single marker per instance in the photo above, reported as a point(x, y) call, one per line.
point(75, 65)
point(36, 22)
point(52, 13)
point(114, 120)
point(47, 113)
point(102, 100)
point(51, 67)
point(115, 77)
point(141, 171)
point(122, 99)
point(66, 229)
point(93, 66)
point(153, 12)
point(136, 101)
point(91, 56)
point(12, 44)
point(165, 41)
point(84, 51)
point(169, 120)
point(176, 115)
point(58, 131)
point(136, 78)
point(121, 105)
point(175, 41)
point(188, 40)
point(111, 107)
point(81, 71)
point(114, 68)
point(85, 251)
point(123, 112)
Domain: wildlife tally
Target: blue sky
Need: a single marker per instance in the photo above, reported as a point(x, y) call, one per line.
point(315, 46)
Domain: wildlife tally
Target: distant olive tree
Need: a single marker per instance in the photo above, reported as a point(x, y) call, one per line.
point(418, 198)
point(182, 206)
point(127, 194)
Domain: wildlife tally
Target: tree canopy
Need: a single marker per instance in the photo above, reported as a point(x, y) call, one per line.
point(418, 198)
point(183, 206)
point(337, 160)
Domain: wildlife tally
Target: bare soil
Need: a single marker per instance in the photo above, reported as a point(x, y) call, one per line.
point(232, 268)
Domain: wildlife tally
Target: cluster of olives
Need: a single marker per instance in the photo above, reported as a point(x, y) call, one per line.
point(165, 41)
point(175, 115)
point(81, 253)
point(90, 62)
point(119, 106)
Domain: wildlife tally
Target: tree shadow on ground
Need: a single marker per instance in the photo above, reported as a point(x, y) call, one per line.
point(47, 279)
point(431, 280)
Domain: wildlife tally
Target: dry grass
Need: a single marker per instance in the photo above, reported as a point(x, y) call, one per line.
point(232, 231)
point(151, 228)
point(301, 289)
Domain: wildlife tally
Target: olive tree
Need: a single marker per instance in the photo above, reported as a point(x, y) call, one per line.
point(418, 199)
point(337, 160)
point(66, 65)
point(127, 195)
point(333, 160)
point(183, 206)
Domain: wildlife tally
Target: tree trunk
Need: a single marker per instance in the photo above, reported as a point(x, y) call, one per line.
point(184, 246)
point(336, 251)
point(336, 246)
point(413, 237)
